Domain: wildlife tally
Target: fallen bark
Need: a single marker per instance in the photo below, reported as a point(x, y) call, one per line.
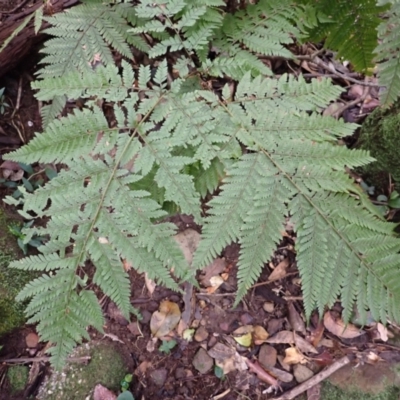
point(26, 41)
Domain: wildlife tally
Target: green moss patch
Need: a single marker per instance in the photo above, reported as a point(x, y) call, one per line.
point(17, 378)
point(107, 366)
point(11, 280)
point(380, 134)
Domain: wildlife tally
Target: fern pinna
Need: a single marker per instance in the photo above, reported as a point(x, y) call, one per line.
point(170, 140)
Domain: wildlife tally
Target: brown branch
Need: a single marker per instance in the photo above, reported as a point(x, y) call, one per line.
point(291, 394)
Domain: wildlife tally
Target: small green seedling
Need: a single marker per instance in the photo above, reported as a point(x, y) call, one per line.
point(167, 346)
point(127, 395)
point(125, 383)
point(16, 230)
point(3, 103)
point(219, 373)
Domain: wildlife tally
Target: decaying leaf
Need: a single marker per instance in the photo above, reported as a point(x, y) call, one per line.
point(289, 337)
point(188, 241)
point(227, 358)
point(339, 328)
point(296, 322)
point(293, 356)
point(260, 335)
point(214, 269)
point(243, 335)
point(215, 283)
point(166, 319)
point(150, 284)
point(280, 270)
point(383, 332)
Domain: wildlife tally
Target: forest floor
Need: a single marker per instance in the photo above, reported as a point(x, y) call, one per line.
point(190, 345)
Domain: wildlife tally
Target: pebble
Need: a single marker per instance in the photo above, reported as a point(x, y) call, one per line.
point(202, 361)
point(32, 339)
point(246, 319)
point(267, 356)
point(159, 376)
point(201, 334)
point(302, 373)
point(268, 307)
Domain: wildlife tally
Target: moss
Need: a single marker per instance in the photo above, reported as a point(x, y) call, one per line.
point(18, 378)
point(77, 381)
point(380, 134)
point(331, 392)
point(11, 280)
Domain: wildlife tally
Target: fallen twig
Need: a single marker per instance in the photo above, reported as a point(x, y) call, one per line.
point(24, 360)
point(262, 374)
point(291, 394)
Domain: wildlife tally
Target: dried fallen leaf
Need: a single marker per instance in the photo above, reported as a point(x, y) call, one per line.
point(296, 322)
point(188, 241)
point(383, 332)
point(166, 319)
point(127, 265)
point(260, 335)
point(150, 284)
point(215, 282)
point(279, 271)
point(293, 356)
point(289, 337)
point(243, 335)
point(214, 269)
point(339, 328)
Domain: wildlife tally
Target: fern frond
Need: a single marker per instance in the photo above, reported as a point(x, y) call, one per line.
point(388, 57)
point(349, 27)
point(292, 174)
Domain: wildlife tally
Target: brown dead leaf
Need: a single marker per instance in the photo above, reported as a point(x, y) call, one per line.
point(293, 356)
point(215, 268)
point(383, 332)
point(188, 241)
point(316, 334)
point(296, 322)
point(339, 328)
point(289, 337)
point(127, 265)
point(215, 283)
point(150, 284)
point(260, 335)
point(280, 270)
point(166, 319)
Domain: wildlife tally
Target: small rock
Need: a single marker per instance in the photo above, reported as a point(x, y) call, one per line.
point(133, 328)
point(302, 373)
point(284, 365)
point(159, 376)
point(279, 374)
point(202, 361)
point(32, 339)
point(274, 325)
point(212, 341)
point(225, 326)
point(201, 334)
point(115, 314)
point(268, 307)
point(180, 373)
point(267, 355)
point(246, 319)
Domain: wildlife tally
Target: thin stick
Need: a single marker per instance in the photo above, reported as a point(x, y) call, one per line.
point(24, 360)
point(291, 394)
